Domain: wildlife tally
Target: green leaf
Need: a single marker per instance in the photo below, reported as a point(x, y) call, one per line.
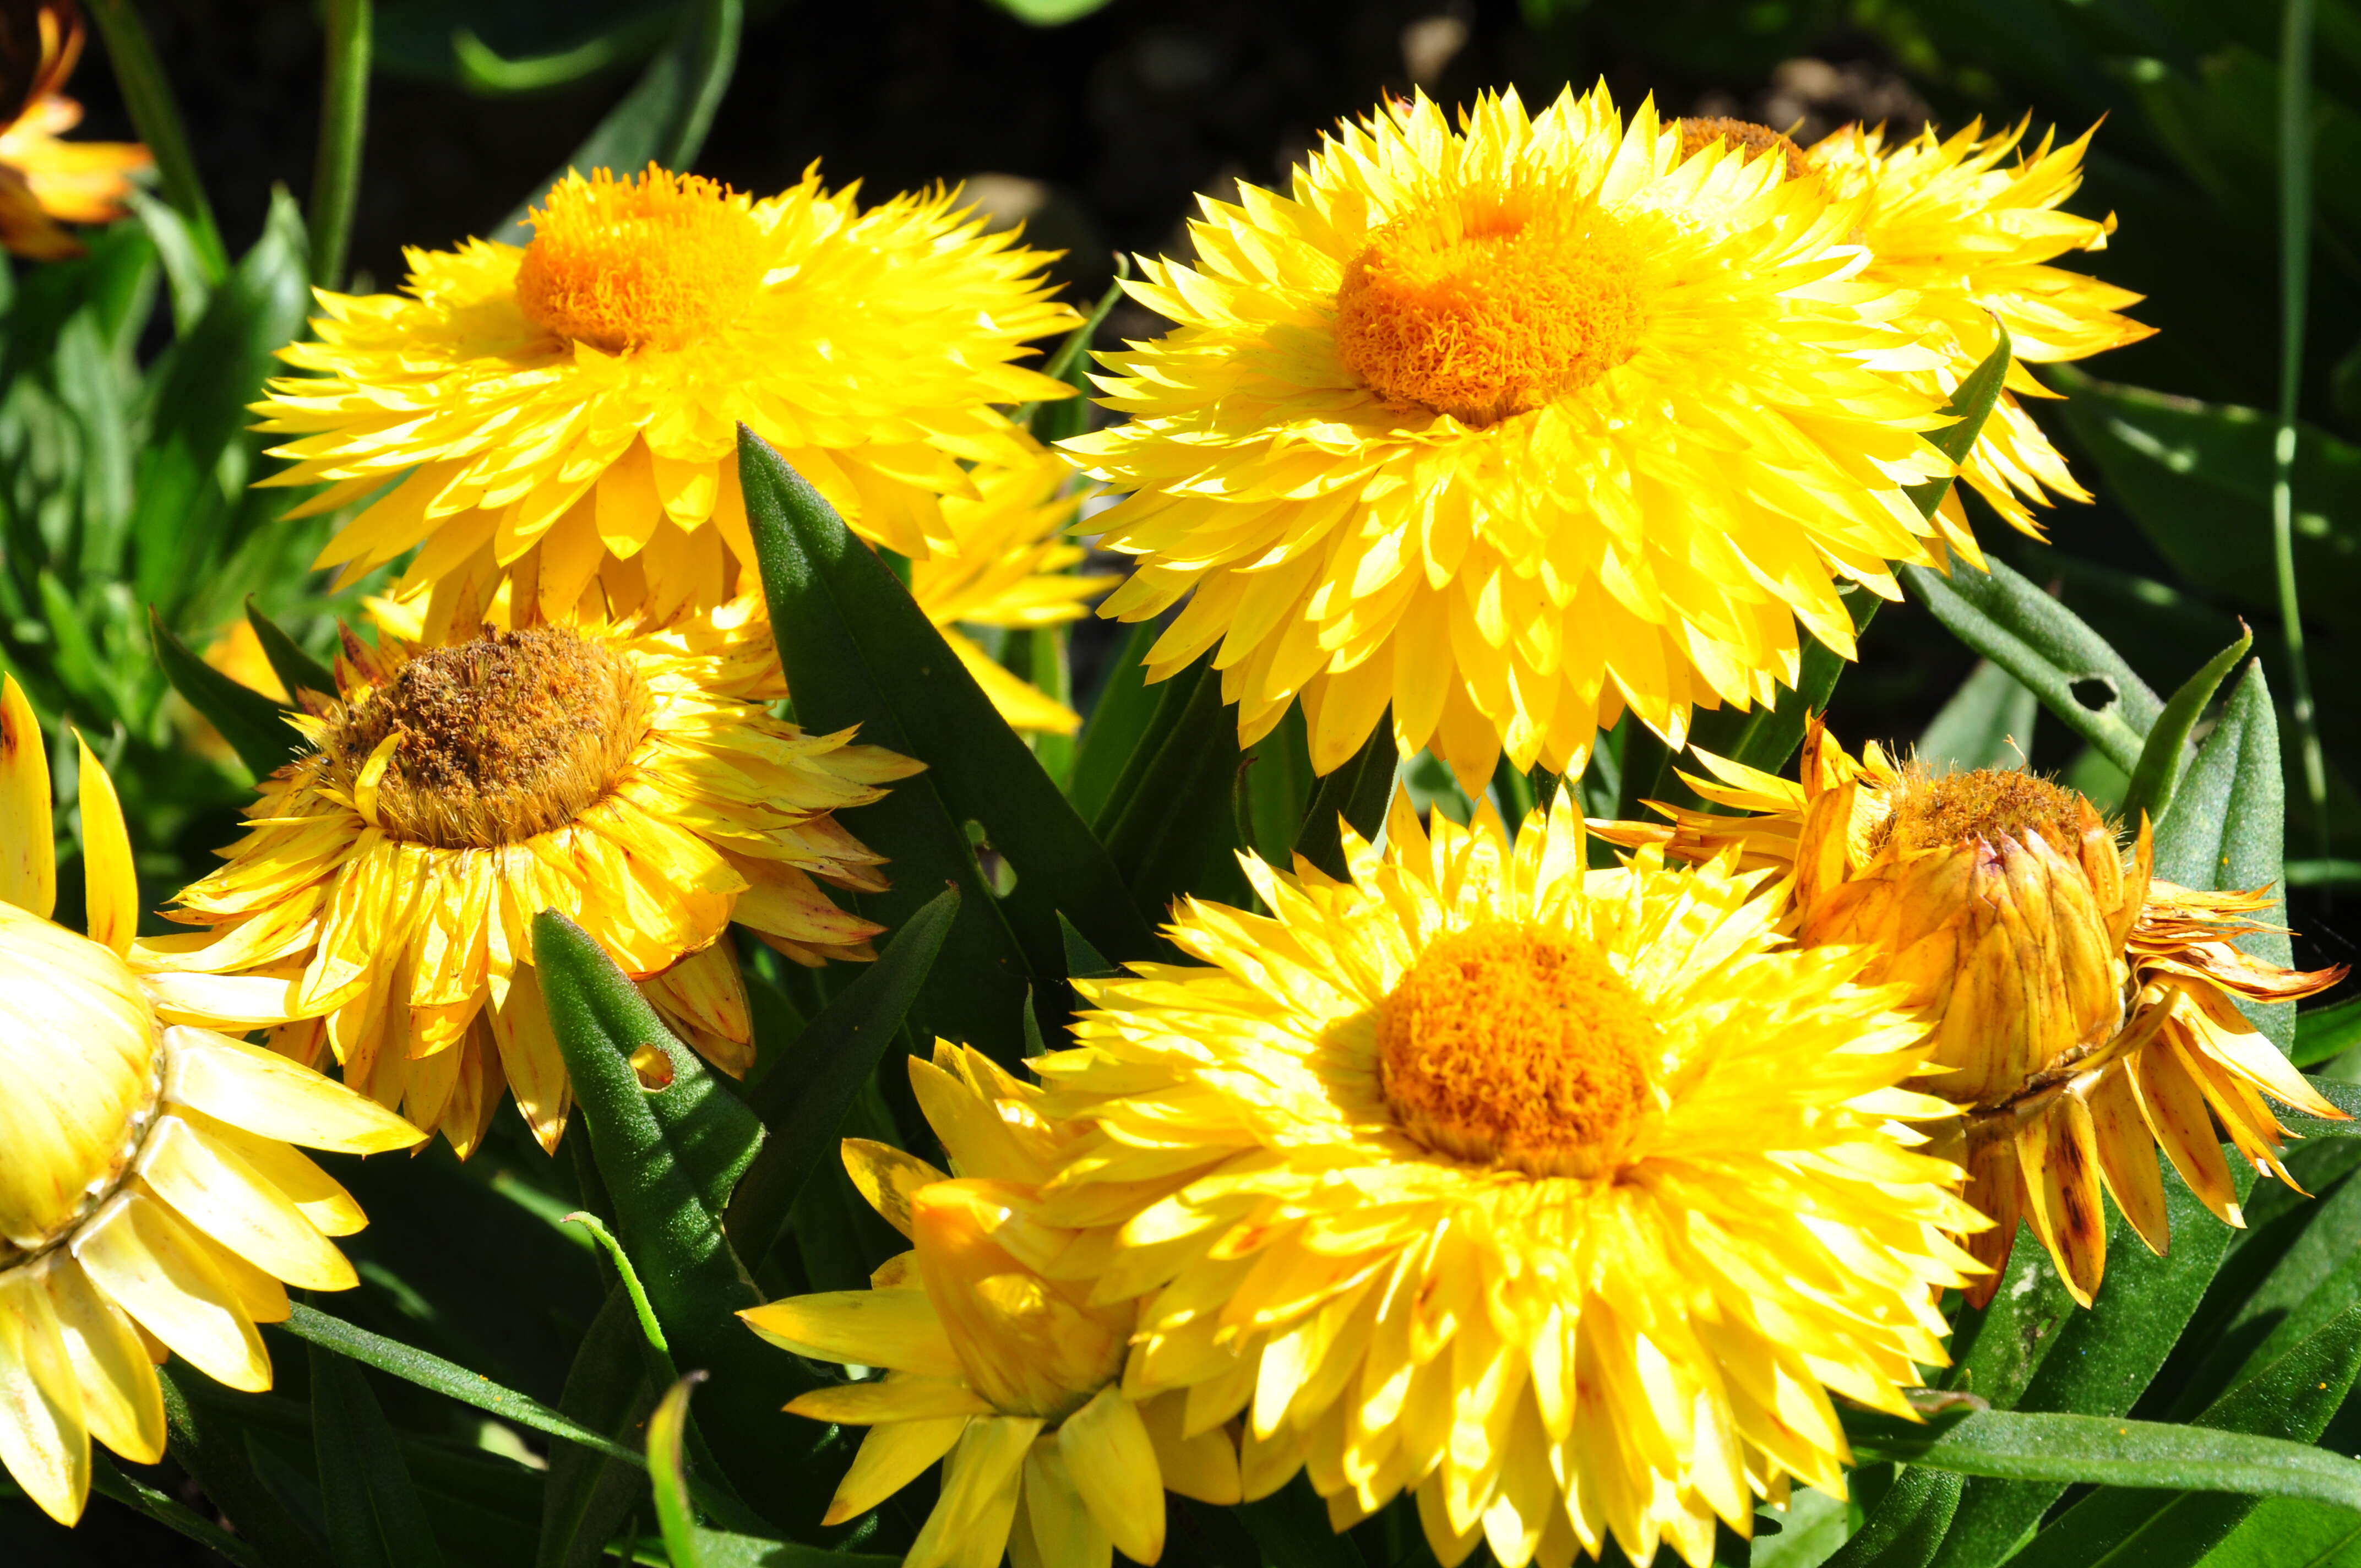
point(1764, 737)
point(1907, 1524)
point(858, 651)
point(2068, 667)
point(296, 669)
point(2283, 1534)
point(1170, 826)
point(609, 1391)
point(804, 1100)
point(2196, 477)
point(1050, 13)
point(2108, 1450)
point(373, 1512)
point(1052, 421)
point(664, 116)
point(2093, 1362)
point(1083, 960)
point(690, 1544)
point(1126, 707)
point(1971, 404)
point(211, 1447)
point(670, 1156)
point(254, 727)
point(2291, 1399)
point(441, 1376)
point(1357, 795)
point(135, 1494)
point(2229, 832)
point(2157, 776)
point(2323, 1032)
point(1988, 723)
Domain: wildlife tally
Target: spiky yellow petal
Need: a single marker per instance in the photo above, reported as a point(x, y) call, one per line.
point(623, 775)
point(1595, 1278)
point(1513, 425)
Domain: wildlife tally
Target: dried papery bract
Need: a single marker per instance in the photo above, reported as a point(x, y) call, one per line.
point(2083, 1014)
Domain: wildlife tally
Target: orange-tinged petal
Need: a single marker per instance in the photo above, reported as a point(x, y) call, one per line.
point(28, 871)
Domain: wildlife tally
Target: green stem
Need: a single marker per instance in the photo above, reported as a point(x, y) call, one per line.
point(156, 113)
point(2295, 257)
point(344, 126)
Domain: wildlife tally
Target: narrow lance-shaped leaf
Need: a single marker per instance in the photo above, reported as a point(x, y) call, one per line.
point(2109, 1450)
point(806, 1098)
point(670, 1148)
point(2167, 1528)
point(296, 669)
point(2229, 830)
point(1111, 733)
point(254, 727)
point(690, 1544)
point(858, 652)
point(374, 1517)
point(2157, 776)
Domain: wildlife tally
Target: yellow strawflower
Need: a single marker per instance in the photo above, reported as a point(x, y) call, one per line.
point(567, 414)
point(2084, 1013)
point(150, 1203)
point(1010, 1376)
point(1511, 426)
point(1971, 237)
point(388, 877)
point(1008, 564)
point(1562, 1198)
point(44, 180)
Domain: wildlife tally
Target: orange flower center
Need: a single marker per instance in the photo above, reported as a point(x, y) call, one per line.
point(657, 262)
point(1989, 804)
point(1487, 304)
point(1508, 1046)
point(1753, 141)
point(498, 739)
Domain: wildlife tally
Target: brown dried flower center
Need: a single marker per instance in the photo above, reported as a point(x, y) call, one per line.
point(502, 738)
point(1515, 1046)
point(1989, 804)
point(1700, 132)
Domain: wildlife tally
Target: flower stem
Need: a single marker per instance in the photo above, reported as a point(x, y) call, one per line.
point(156, 113)
point(344, 126)
point(2295, 258)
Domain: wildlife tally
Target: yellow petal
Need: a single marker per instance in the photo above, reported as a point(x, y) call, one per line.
point(263, 1093)
point(121, 1401)
point(1205, 1467)
point(891, 1457)
point(110, 888)
point(895, 1398)
point(1114, 1470)
point(318, 1196)
point(146, 1263)
point(43, 1441)
point(235, 1204)
point(969, 1528)
point(28, 871)
point(1061, 1531)
point(887, 1177)
point(896, 1329)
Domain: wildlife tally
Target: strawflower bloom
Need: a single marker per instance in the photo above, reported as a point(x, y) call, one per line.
point(389, 876)
point(2084, 1013)
point(1512, 426)
point(1971, 235)
point(1008, 565)
point(1013, 1378)
point(47, 181)
point(1562, 1197)
point(567, 414)
point(150, 1203)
